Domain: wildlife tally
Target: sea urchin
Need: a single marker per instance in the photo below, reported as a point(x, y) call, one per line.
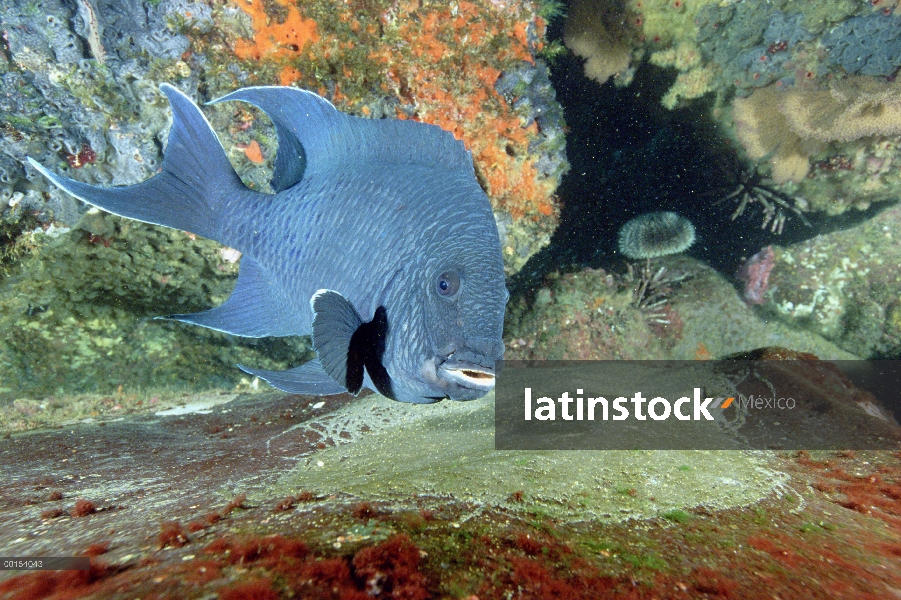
point(656, 234)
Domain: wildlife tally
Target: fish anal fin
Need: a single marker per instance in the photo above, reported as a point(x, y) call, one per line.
point(309, 378)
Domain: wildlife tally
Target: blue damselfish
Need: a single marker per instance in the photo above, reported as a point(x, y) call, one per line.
point(378, 242)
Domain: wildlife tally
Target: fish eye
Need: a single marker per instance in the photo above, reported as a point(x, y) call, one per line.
point(447, 284)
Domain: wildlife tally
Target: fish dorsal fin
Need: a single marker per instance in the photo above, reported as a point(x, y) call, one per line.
point(314, 136)
point(252, 310)
point(345, 344)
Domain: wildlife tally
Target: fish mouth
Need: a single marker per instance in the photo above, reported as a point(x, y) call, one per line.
point(467, 369)
point(475, 377)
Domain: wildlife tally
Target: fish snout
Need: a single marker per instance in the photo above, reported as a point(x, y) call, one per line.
point(489, 349)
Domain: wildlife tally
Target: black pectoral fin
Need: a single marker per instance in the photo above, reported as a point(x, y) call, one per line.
point(345, 345)
point(368, 346)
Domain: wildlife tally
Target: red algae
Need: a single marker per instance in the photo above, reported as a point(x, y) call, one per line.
point(392, 568)
point(365, 511)
point(781, 553)
point(97, 549)
point(708, 581)
point(305, 497)
point(258, 589)
point(528, 544)
point(83, 508)
point(286, 504)
point(58, 585)
point(270, 551)
point(172, 535)
point(238, 502)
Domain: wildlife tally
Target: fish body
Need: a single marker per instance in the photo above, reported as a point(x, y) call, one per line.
point(378, 242)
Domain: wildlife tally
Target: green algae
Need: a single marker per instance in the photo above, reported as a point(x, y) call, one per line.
point(77, 313)
point(445, 452)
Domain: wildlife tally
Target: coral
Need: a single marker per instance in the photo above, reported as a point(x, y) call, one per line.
point(763, 131)
point(866, 45)
point(279, 35)
point(691, 84)
point(594, 31)
point(695, 77)
point(848, 110)
point(788, 126)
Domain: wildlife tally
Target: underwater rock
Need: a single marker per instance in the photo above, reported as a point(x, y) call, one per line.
point(596, 315)
point(844, 286)
point(77, 309)
point(189, 504)
point(810, 85)
point(445, 453)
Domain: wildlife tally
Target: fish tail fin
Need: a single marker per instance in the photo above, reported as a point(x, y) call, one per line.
point(191, 191)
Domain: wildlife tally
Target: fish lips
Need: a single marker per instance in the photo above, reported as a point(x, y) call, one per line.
point(464, 375)
point(467, 375)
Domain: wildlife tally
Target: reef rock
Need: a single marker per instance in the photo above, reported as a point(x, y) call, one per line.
point(844, 286)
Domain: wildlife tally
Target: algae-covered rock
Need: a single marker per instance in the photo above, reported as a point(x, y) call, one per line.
point(805, 88)
point(445, 453)
point(595, 315)
point(77, 312)
point(81, 96)
point(845, 286)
